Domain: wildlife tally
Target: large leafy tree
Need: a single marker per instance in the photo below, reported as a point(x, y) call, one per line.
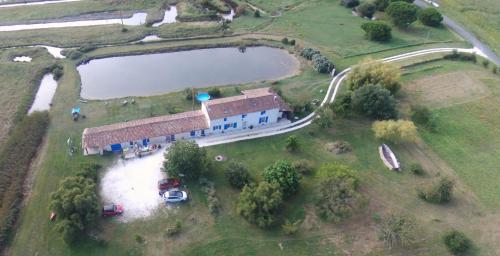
point(375, 102)
point(430, 17)
point(370, 71)
point(238, 175)
point(337, 196)
point(377, 31)
point(285, 175)
point(395, 131)
point(186, 159)
point(324, 117)
point(76, 203)
point(402, 13)
point(259, 204)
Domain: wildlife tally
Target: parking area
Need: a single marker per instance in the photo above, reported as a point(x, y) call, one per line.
point(134, 185)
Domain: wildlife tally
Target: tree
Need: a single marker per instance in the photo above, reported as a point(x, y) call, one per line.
point(186, 159)
point(370, 71)
point(292, 143)
point(237, 175)
point(439, 192)
point(375, 102)
point(215, 92)
point(421, 115)
point(382, 4)
point(430, 17)
point(377, 31)
point(337, 196)
point(324, 117)
point(397, 230)
point(284, 40)
point(259, 204)
point(76, 204)
point(309, 53)
point(366, 9)
point(256, 14)
point(349, 3)
point(395, 131)
point(456, 242)
point(402, 13)
point(285, 175)
point(322, 64)
point(342, 105)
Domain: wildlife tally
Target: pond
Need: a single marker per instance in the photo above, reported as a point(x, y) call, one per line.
point(155, 74)
point(46, 91)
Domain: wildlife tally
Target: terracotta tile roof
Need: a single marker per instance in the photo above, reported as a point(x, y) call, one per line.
point(144, 128)
point(251, 101)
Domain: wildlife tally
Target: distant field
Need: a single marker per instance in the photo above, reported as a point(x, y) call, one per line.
point(18, 83)
point(468, 125)
point(480, 16)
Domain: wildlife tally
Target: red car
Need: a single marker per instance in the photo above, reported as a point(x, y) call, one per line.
point(168, 183)
point(112, 210)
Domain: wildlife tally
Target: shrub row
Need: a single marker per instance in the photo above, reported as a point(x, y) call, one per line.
point(320, 62)
point(208, 188)
point(16, 155)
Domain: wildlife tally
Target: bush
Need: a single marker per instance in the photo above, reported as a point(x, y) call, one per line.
point(401, 13)
point(342, 105)
point(309, 53)
point(339, 147)
point(186, 159)
point(421, 115)
point(416, 169)
point(456, 242)
point(285, 175)
point(397, 230)
point(322, 64)
point(292, 143)
point(256, 14)
point(324, 118)
point(237, 175)
point(57, 71)
point(374, 72)
point(395, 131)
point(16, 154)
point(375, 102)
point(439, 192)
point(381, 4)
point(139, 239)
point(284, 40)
point(430, 17)
point(173, 228)
point(292, 42)
point(485, 63)
point(366, 9)
point(208, 187)
point(259, 204)
point(290, 228)
point(215, 92)
point(74, 54)
point(377, 31)
point(189, 93)
point(87, 47)
point(336, 195)
point(124, 30)
point(455, 55)
point(303, 166)
point(349, 3)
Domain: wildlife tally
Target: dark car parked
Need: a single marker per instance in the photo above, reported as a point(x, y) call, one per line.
point(112, 210)
point(168, 183)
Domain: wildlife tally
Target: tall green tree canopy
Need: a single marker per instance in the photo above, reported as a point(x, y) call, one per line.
point(259, 204)
point(370, 71)
point(185, 158)
point(377, 31)
point(285, 175)
point(430, 17)
point(402, 14)
point(375, 102)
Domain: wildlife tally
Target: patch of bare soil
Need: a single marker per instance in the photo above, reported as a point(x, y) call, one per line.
point(449, 89)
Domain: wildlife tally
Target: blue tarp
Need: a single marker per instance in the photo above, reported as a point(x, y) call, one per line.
point(75, 110)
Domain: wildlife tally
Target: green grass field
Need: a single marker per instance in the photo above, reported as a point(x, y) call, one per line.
point(481, 17)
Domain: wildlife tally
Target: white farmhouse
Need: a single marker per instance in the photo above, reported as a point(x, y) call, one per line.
point(252, 109)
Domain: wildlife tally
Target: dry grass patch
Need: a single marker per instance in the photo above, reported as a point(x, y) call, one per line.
point(439, 91)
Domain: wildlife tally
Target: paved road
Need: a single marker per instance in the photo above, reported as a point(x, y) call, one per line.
point(459, 29)
point(329, 98)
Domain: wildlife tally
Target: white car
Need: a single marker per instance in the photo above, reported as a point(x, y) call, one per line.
point(175, 196)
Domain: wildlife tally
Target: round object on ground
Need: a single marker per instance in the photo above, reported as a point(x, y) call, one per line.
point(220, 158)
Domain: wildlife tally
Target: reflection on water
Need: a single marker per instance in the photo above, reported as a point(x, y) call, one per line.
point(154, 74)
point(45, 94)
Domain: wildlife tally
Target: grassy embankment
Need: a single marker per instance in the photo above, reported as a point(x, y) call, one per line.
point(481, 17)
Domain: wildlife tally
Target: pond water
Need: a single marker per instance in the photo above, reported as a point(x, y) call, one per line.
point(45, 94)
point(135, 20)
point(170, 15)
point(155, 74)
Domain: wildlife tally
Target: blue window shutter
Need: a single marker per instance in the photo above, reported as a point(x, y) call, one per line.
point(193, 133)
point(235, 125)
point(225, 119)
point(267, 119)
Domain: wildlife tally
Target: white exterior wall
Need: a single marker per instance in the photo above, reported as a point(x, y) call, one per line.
point(251, 119)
